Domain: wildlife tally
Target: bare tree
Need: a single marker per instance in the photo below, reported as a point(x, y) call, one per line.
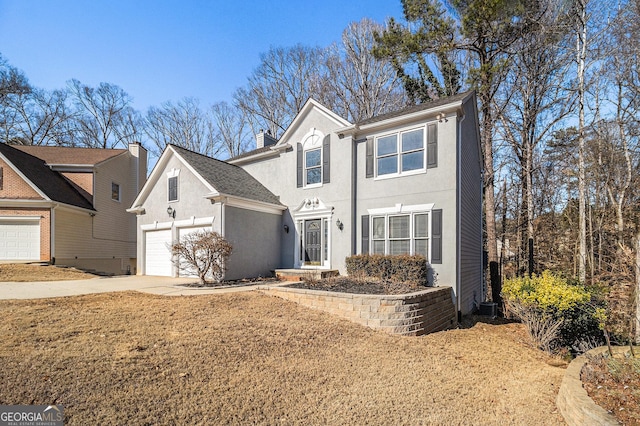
point(41, 116)
point(183, 124)
point(100, 112)
point(285, 79)
point(536, 102)
point(358, 85)
point(203, 253)
point(232, 132)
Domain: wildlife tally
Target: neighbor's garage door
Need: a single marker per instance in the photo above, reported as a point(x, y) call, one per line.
point(19, 239)
point(157, 258)
point(185, 270)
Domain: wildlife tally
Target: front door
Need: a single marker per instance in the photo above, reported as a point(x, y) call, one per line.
point(313, 242)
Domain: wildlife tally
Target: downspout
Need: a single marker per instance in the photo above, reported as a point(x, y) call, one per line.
point(354, 195)
point(52, 234)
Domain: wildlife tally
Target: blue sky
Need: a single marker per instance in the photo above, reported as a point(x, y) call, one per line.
point(167, 50)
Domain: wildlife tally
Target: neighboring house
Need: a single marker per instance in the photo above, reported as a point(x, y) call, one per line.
point(67, 206)
point(405, 182)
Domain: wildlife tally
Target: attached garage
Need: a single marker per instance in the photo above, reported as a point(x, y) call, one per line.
point(20, 239)
point(157, 257)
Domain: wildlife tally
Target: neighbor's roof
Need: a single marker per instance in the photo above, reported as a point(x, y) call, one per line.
point(227, 178)
point(427, 105)
point(49, 182)
point(69, 155)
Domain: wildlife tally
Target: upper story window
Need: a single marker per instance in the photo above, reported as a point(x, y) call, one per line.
point(313, 166)
point(405, 152)
point(172, 185)
point(115, 191)
point(313, 160)
point(173, 188)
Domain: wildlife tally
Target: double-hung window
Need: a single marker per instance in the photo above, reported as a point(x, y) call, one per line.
point(313, 166)
point(400, 153)
point(400, 234)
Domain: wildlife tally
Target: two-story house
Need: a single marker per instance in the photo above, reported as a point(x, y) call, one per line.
point(405, 182)
point(67, 206)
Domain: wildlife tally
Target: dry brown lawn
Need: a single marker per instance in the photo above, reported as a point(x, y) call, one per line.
point(27, 273)
point(247, 358)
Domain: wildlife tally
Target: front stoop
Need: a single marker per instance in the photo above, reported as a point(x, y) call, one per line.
point(305, 274)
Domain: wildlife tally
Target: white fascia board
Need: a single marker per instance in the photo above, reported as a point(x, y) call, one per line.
point(401, 208)
point(311, 104)
point(77, 168)
point(245, 203)
point(153, 177)
point(273, 152)
point(19, 173)
point(137, 210)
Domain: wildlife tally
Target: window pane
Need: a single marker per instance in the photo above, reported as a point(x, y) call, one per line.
point(378, 228)
point(412, 161)
point(378, 247)
point(313, 158)
point(399, 247)
point(421, 247)
point(399, 227)
point(173, 188)
point(412, 140)
point(387, 145)
point(115, 191)
point(421, 225)
point(387, 165)
point(314, 175)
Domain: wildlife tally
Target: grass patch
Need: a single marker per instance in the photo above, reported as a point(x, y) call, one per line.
point(130, 358)
point(29, 273)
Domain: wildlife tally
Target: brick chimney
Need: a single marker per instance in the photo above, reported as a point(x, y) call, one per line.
point(265, 139)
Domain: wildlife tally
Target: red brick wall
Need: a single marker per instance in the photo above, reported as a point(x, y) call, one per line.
point(13, 186)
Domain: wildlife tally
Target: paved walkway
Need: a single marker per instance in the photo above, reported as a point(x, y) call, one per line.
point(165, 286)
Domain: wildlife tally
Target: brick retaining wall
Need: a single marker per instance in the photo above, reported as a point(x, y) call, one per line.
point(412, 314)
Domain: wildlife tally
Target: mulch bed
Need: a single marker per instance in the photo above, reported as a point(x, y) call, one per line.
point(614, 384)
point(348, 285)
point(233, 283)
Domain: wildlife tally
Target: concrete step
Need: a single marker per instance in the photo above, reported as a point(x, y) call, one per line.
point(305, 274)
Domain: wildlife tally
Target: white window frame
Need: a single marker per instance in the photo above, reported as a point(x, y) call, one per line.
point(119, 191)
point(398, 154)
point(305, 168)
point(400, 210)
point(312, 141)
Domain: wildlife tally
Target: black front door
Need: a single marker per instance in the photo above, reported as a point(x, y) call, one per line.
point(313, 242)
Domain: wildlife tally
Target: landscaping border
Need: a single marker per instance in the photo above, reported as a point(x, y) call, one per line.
point(574, 403)
point(412, 314)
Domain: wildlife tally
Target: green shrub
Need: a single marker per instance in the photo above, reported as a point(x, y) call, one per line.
point(396, 269)
point(557, 313)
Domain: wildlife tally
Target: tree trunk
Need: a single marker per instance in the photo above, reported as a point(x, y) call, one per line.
point(581, 51)
point(636, 291)
point(489, 203)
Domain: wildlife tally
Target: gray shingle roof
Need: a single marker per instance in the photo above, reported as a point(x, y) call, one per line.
point(51, 183)
point(416, 108)
point(227, 178)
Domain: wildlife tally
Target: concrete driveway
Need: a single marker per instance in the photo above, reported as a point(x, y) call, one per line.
point(165, 286)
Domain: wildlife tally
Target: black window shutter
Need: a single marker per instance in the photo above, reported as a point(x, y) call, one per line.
point(432, 146)
point(365, 234)
point(436, 236)
point(369, 157)
point(300, 165)
point(326, 152)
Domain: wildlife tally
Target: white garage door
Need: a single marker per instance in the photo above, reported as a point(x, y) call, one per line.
point(185, 270)
point(19, 239)
point(157, 259)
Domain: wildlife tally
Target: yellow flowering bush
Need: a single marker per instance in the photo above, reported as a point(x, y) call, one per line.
point(547, 291)
point(556, 313)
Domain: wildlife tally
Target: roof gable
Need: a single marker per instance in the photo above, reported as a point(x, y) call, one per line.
point(219, 176)
point(300, 118)
point(52, 185)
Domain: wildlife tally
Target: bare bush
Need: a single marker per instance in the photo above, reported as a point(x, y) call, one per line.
point(202, 253)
